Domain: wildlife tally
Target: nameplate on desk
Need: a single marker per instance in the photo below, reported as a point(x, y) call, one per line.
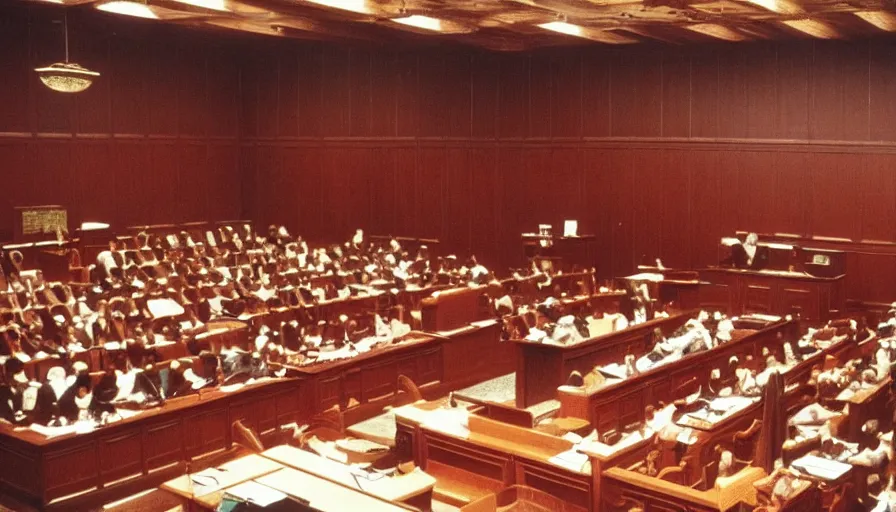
point(821, 259)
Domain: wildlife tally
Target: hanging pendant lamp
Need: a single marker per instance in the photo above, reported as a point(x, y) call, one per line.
point(66, 76)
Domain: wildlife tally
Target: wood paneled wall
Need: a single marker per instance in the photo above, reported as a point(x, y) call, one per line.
point(154, 140)
point(658, 150)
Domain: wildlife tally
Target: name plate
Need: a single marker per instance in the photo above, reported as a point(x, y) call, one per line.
point(821, 259)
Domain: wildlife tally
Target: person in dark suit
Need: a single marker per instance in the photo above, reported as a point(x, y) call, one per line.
point(749, 254)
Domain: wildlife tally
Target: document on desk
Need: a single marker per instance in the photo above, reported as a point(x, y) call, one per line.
point(52, 431)
point(571, 459)
point(449, 421)
point(613, 371)
point(826, 469)
point(255, 493)
point(208, 481)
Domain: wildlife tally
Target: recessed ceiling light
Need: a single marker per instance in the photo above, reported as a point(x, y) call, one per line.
point(717, 31)
point(128, 9)
point(215, 5)
point(424, 22)
point(599, 35)
point(779, 6)
point(883, 20)
point(814, 28)
point(359, 6)
point(563, 27)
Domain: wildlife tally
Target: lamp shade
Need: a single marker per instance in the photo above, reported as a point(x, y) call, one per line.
point(66, 77)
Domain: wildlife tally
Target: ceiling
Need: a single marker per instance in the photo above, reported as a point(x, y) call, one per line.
point(511, 25)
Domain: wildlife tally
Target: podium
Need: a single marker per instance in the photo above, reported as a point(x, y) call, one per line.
point(561, 253)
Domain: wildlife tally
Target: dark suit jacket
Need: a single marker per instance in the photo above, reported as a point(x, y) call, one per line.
point(739, 257)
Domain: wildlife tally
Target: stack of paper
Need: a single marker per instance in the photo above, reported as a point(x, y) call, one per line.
point(830, 470)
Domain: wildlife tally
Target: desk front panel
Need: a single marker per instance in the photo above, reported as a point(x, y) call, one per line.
point(541, 368)
point(615, 407)
point(138, 449)
point(497, 469)
point(617, 495)
point(811, 298)
point(361, 388)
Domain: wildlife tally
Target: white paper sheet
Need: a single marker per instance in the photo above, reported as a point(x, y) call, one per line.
point(830, 470)
point(255, 493)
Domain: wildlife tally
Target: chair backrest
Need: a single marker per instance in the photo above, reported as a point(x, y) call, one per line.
point(246, 437)
point(744, 441)
point(676, 474)
point(332, 418)
point(534, 498)
point(407, 386)
point(710, 473)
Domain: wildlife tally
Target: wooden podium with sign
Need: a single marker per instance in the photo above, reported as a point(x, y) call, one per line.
point(40, 242)
point(40, 223)
point(798, 280)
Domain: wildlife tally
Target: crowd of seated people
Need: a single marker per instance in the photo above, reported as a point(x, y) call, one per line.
point(698, 334)
point(822, 453)
point(683, 447)
point(550, 322)
point(151, 302)
point(567, 319)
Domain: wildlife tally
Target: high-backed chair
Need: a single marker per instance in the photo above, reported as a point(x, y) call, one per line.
point(407, 387)
point(246, 437)
point(744, 442)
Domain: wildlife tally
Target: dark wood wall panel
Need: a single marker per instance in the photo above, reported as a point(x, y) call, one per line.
point(658, 150)
point(155, 139)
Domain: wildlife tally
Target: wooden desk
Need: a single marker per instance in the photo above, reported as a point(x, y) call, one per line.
point(487, 456)
point(567, 252)
point(537, 288)
point(866, 404)
point(542, 367)
point(207, 492)
point(437, 363)
point(615, 406)
point(650, 493)
point(325, 495)
point(414, 488)
point(363, 384)
point(142, 451)
point(774, 292)
point(678, 288)
point(145, 450)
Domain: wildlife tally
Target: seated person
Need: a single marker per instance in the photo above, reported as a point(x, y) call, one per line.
point(749, 254)
point(695, 338)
